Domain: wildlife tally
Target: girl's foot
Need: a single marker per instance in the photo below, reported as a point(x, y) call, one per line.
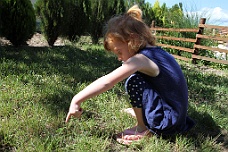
point(133, 134)
point(129, 111)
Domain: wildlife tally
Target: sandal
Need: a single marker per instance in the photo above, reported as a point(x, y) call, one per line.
point(129, 135)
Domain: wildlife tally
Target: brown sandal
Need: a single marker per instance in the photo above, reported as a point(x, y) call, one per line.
point(128, 136)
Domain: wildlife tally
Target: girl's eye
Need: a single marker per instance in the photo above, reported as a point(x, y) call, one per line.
point(118, 51)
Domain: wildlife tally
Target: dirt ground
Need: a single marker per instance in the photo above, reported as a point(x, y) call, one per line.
point(37, 40)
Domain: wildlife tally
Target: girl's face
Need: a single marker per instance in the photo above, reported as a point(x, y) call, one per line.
point(120, 49)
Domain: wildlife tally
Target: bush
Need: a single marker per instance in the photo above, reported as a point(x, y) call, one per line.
point(18, 21)
point(51, 13)
point(0, 17)
point(101, 11)
point(77, 19)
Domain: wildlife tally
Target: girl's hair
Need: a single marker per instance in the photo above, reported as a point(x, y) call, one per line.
point(129, 28)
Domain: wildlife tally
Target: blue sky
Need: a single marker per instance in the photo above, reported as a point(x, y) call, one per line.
point(216, 10)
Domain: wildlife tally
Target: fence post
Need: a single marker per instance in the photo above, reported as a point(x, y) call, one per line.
point(201, 29)
point(152, 26)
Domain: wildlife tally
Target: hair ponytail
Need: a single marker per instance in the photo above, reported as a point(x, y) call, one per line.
point(135, 12)
point(129, 28)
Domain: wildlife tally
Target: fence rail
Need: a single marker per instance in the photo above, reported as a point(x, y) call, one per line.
point(196, 41)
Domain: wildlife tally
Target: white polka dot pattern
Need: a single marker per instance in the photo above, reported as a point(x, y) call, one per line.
point(135, 86)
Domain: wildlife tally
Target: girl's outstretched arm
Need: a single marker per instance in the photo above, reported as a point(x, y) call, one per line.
point(136, 63)
point(99, 86)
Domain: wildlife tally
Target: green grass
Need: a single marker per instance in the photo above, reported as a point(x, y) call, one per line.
point(37, 85)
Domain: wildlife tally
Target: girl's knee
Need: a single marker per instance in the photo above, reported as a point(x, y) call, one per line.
point(135, 86)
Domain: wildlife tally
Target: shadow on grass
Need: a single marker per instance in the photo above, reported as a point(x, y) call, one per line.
point(71, 63)
point(206, 128)
point(78, 66)
point(4, 145)
point(206, 89)
point(66, 60)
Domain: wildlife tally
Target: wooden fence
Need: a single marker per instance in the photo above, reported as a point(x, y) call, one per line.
point(196, 41)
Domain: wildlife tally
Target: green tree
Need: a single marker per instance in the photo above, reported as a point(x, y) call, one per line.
point(179, 20)
point(18, 21)
point(130, 3)
point(159, 13)
point(1, 7)
point(77, 19)
point(51, 13)
point(101, 11)
point(148, 13)
point(175, 15)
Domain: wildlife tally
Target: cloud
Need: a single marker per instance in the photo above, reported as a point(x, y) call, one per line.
point(216, 16)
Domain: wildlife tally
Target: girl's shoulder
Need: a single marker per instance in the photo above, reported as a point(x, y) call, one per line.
point(155, 52)
point(144, 64)
point(151, 49)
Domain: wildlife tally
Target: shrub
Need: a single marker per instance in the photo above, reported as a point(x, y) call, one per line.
point(77, 19)
point(0, 17)
point(18, 21)
point(51, 13)
point(101, 12)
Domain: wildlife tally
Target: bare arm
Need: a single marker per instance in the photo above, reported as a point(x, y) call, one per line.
point(97, 87)
point(106, 82)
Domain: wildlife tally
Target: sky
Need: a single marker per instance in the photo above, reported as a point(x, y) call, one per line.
point(215, 10)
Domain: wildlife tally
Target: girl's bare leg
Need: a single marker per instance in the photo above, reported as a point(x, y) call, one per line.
point(136, 113)
point(135, 133)
point(139, 117)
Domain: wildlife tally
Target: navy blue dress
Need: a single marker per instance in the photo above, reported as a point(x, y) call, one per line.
point(165, 97)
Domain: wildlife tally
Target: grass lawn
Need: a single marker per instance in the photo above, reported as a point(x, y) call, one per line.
point(38, 83)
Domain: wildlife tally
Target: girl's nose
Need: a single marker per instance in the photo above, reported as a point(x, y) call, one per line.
point(119, 59)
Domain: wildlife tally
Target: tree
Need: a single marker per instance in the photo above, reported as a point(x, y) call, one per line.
point(101, 11)
point(77, 19)
point(51, 13)
point(18, 21)
point(1, 7)
point(175, 15)
point(148, 14)
point(159, 13)
point(130, 3)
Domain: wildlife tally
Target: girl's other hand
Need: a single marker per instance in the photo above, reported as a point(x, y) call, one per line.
point(74, 111)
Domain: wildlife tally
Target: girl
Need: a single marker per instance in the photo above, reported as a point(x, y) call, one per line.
point(155, 83)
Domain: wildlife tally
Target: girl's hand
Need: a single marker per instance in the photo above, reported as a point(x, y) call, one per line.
point(74, 111)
